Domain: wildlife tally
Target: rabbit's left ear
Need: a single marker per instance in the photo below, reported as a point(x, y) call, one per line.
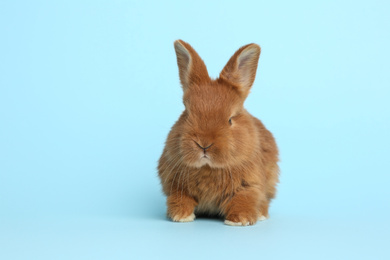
point(240, 71)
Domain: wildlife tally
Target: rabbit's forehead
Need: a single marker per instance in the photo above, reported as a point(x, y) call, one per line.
point(211, 98)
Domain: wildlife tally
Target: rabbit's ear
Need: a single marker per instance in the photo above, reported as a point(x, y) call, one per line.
point(192, 69)
point(240, 71)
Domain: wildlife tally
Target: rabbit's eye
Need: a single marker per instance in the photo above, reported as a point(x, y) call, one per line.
point(230, 121)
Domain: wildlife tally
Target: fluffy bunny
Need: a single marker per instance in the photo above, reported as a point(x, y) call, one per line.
point(218, 158)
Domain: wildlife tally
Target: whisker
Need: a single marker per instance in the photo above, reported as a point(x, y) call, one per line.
point(174, 177)
point(231, 178)
point(175, 163)
point(182, 185)
point(223, 184)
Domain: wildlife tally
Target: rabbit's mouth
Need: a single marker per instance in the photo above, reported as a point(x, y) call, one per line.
point(203, 160)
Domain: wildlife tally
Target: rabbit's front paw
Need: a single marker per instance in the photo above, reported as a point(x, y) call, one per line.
point(241, 219)
point(180, 218)
point(181, 208)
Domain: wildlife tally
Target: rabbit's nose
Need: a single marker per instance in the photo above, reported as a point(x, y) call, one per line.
point(203, 148)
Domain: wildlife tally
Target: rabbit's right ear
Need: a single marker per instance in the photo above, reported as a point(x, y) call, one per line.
point(192, 69)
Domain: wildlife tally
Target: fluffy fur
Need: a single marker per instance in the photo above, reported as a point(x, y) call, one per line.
point(218, 158)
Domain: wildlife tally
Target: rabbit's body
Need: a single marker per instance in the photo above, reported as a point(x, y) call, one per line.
point(218, 159)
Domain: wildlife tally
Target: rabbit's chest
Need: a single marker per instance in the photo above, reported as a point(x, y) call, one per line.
point(210, 188)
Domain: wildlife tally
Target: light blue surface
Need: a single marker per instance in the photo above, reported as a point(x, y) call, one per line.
point(89, 91)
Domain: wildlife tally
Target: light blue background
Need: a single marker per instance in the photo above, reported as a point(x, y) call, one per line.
point(90, 89)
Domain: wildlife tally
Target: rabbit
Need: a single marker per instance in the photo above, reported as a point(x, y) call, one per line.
point(218, 159)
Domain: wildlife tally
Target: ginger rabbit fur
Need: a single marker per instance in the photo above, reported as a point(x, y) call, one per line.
point(218, 158)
